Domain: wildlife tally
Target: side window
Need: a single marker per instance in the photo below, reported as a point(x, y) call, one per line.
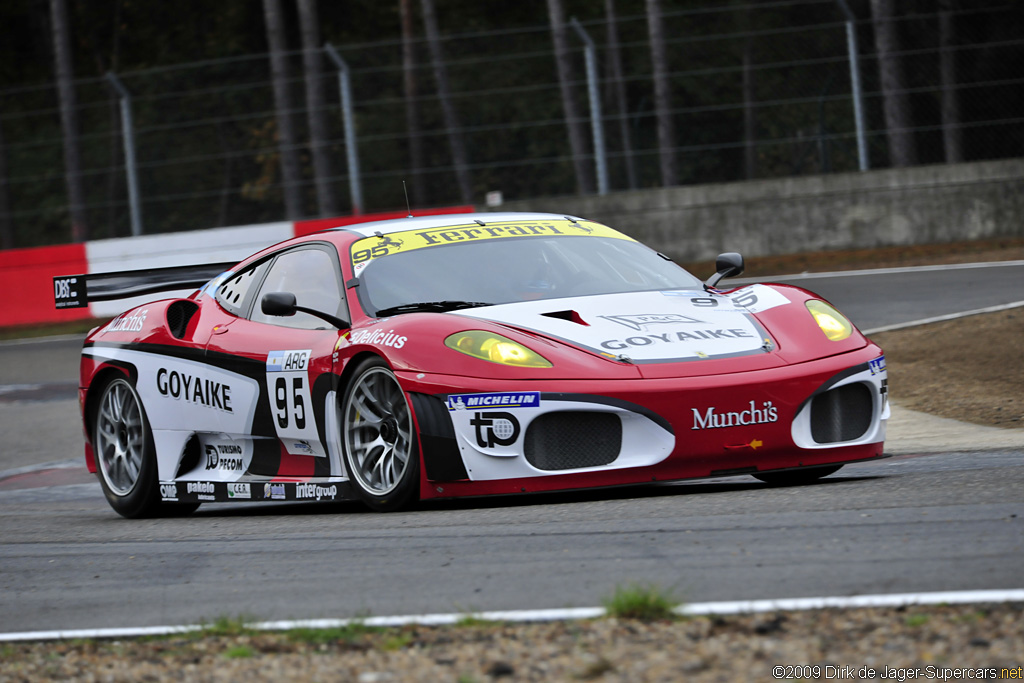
point(231, 295)
point(311, 274)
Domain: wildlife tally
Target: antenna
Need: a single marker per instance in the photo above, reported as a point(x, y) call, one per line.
point(407, 205)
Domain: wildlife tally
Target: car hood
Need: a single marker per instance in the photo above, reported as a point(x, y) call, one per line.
point(649, 327)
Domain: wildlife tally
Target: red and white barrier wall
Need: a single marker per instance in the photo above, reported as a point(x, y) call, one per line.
point(26, 275)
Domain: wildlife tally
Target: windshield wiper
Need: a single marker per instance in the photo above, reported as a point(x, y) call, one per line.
point(436, 306)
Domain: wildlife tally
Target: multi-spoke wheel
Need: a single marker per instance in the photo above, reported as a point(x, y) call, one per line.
point(123, 445)
point(379, 443)
point(794, 477)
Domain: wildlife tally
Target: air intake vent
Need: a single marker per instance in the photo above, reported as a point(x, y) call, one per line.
point(842, 414)
point(178, 316)
point(570, 316)
point(574, 439)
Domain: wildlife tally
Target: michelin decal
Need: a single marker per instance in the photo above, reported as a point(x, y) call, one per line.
point(519, 399)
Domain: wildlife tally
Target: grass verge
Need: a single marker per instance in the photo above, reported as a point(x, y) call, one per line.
point(644, 602)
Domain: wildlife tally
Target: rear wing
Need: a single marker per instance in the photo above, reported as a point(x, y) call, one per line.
point(77, 291)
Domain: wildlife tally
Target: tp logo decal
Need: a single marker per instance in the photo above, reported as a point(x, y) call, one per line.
point(495, 429)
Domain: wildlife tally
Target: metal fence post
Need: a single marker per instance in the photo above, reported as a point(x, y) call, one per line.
point(858, 93)
point(351, 153)
point(128, 132)
point(596, 125)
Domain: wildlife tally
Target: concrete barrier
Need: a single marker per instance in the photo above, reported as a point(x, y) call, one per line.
point(921, 205)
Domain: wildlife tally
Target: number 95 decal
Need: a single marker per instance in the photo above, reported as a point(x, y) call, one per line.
point(288, 386)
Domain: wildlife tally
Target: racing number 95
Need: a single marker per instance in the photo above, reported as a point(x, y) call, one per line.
point(367, 254)
point(290, 398)
point(290, 403)
point(744, 300)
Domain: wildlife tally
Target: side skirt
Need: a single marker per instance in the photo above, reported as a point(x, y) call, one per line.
point(320, 489)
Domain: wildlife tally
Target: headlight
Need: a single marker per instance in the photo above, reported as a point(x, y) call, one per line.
point(833, 323)
point(496, 349)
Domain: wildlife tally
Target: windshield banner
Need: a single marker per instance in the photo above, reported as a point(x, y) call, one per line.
point(369, 248)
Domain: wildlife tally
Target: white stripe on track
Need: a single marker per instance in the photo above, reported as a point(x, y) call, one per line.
point(700, 608)
point(943, 318)
point(807, 275)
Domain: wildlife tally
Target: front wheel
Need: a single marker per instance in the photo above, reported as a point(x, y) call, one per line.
point(795, 477)
point(379, 443)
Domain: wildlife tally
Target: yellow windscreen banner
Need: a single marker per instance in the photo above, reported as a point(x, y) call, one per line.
point(369, 248)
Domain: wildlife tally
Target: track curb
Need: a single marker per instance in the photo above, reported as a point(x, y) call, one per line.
point(731, 607)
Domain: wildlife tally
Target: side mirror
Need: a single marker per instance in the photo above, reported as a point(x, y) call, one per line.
point(729, 264)
point(278, 303)
point(283, 304)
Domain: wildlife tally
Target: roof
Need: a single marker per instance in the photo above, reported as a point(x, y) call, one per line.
point(427, 222)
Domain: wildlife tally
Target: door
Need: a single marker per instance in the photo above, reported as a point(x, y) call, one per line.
point(293, 426)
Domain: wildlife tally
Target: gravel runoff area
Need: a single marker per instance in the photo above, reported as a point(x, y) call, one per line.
point(970, 369)
point(963, 642)
point(979, 382)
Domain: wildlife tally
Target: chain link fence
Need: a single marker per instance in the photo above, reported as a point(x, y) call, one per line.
point(753, 95)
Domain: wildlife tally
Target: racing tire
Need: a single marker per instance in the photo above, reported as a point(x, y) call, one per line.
point(125, 454)
point(796, 477)
point(378, 438)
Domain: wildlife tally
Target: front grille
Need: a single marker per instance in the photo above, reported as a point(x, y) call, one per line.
point(573, 439)
point(841, 414)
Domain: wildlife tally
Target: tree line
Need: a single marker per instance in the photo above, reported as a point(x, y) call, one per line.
point(461, 97)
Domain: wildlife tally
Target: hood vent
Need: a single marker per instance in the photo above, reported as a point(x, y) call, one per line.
point(179, 314)
point(570, 316)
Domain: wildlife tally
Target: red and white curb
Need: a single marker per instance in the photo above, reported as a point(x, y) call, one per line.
point(695, 609)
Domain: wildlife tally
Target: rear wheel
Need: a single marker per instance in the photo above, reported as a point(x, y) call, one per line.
point(125, 455)
point(378, 438)
point(792, 477)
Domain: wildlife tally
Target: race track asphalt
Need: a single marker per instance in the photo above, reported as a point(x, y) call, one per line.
point(926, 519)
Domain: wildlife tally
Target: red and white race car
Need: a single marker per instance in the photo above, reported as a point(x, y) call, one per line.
point(463, 355)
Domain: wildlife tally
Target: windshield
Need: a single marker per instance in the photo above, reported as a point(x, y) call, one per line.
point(498, 271)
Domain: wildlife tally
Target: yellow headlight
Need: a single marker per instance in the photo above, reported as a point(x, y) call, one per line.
point(496, 349)
point(833, 323)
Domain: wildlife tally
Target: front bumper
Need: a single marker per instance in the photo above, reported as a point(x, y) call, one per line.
point(505, 436)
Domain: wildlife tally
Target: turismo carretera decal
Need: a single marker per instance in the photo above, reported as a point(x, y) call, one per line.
point(224, 458)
